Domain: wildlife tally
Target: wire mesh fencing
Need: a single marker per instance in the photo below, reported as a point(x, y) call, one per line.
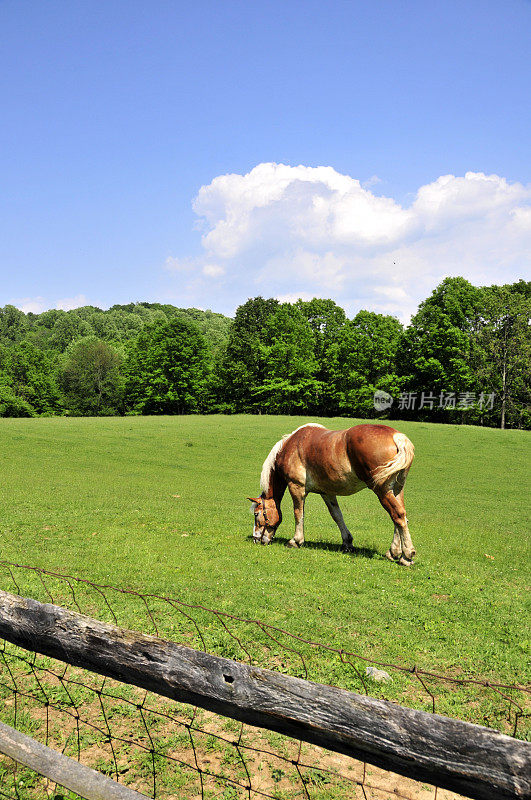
point(166, 749)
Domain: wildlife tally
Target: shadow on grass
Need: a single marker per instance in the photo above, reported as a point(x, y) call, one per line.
point(357, 552)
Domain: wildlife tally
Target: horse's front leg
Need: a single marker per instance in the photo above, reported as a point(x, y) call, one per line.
point(335, 512)
point(298, 495)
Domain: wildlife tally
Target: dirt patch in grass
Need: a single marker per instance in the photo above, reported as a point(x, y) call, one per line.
point(169, 750)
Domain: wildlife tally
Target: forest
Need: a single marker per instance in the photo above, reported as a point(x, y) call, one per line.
point(464, 358)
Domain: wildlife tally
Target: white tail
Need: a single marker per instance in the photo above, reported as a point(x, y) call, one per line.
point(402, 460)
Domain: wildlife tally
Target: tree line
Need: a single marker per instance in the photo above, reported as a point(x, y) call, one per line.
point(465, 357)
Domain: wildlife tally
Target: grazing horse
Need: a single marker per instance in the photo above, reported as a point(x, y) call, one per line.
point(331, 463)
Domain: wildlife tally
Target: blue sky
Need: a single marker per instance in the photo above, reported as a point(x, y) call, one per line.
point(122, 121)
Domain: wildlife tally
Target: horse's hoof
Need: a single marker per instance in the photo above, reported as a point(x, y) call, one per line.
point(391, 557)
point(293, 543)
point(405, 561)
point(347, 548)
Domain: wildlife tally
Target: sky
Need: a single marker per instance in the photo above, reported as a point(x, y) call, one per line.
point(203, 153)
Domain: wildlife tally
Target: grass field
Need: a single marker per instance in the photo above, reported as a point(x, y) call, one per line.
point(158, 504)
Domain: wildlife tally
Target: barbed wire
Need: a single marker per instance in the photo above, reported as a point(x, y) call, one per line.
point(168, 749)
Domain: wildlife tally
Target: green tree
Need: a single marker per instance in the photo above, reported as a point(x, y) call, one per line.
point(168, 369)
point(126, 325)
point(11, 405)
point(67, 328)
point(242, 364)
point(289, 384)
point(327, 321)
point(436, 353)
point(104, 326)
point(48, 318)
point(91, 378)
point(504, 339)
point(32, 374)
point(214, 327)
point(362, 360)
point(13, 324)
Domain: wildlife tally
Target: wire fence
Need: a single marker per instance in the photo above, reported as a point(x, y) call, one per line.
point(166, 749)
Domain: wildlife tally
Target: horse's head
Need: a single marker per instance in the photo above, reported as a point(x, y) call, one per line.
point(267, 518)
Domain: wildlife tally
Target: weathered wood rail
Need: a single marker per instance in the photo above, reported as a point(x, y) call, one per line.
point(70, 774)
point(475, 761)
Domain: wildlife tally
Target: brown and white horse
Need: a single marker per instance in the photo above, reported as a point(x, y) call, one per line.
point(331, 463)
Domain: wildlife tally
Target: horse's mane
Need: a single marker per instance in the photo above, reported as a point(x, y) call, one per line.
point(269, 463)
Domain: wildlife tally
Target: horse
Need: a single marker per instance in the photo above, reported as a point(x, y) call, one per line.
point(330, 463)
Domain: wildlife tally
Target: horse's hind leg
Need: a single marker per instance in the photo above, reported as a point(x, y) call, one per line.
point(298, 495)
point(395, 551)
point(335, 512)
point(401, 549)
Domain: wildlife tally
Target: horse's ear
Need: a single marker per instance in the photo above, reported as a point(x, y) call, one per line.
point(253, 499)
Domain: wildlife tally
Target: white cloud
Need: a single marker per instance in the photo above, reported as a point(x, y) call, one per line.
point(294, 296)
point(190, 266)
point(374, 180)
point(34, 305)
point(320, 270)
point(313, 205)
point(182, 265)
point(476, 196)
point(303, 231)
point(39, 304)
point(68, 303)
point(393, 292)
point(213, 270)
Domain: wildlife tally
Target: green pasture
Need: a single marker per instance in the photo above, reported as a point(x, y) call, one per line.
point(158, 504)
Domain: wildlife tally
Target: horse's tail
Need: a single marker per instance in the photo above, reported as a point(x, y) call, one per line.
point(400, 463)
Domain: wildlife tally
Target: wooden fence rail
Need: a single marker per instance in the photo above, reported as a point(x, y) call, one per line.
point(475, 761)
point(84, 781)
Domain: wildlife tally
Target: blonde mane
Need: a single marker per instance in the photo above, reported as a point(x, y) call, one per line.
point(269, 463)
